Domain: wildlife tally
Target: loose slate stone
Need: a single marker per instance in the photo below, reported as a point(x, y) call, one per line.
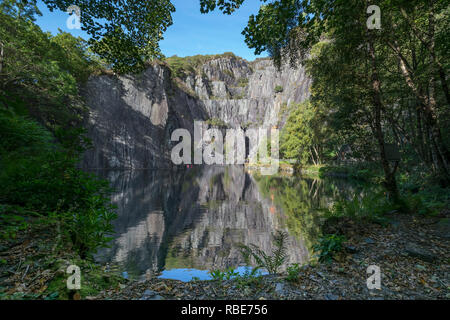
point(279, 288)
point(330, 296)
point(351, 249)
point(421, 253)
point(149, 293)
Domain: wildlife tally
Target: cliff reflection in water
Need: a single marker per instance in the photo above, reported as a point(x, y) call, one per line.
point(196, 218)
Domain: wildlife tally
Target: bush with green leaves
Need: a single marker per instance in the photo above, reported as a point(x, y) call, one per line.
point(278, 89)
point(327, 246)
point(217, 275)
point(41, 111)
point(12, 221)
point(304, 137)
point(41, 176)
point(242, 82)
point(88, 228)
point(292, 272)
point(421, 194)
point(250, 278)
point(44, 71)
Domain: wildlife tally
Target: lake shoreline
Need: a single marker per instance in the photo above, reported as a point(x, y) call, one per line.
point(412, 251)
point(410, 268)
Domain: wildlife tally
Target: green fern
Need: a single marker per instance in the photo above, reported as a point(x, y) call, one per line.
point(271, 263)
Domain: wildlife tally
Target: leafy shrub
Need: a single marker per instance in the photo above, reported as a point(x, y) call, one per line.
point(217, 275)
point(250, 278)
point(45, 71)
point(39, 158)
point(292, 272)
point(279, 89)
point(88, 228)
point(41, 176)
point(21, 133)
point(424, 197)
point(243, 82)
point(327, 246)
point(12, 221)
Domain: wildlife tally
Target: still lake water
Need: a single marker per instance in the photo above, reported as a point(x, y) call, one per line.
point(181, 224)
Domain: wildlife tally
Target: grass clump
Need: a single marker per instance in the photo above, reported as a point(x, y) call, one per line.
point(181, 67)
point(216, 122)
point(371, 208)
point(242, 82)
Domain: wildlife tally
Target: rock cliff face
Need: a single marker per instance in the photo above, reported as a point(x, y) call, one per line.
point(132, 117)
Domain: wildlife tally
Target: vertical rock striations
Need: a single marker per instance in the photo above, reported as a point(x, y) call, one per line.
point(132, 117)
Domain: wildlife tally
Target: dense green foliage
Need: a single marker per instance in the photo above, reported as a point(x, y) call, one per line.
point(41, 176)
point(223, 275)
point(372, 88)
point(251, 277)
point(327, 246)
point(124, 33)
point(303, 136)
point(293, 272)
point(40, 74)
point(41, 111)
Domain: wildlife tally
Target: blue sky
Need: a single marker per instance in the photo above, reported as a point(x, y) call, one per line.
point(191, 33)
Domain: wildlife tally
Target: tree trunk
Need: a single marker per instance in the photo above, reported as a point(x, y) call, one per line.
point(430, 45)
point(420, 140)
point(428, 105)
point(389, 175)
point(442, 153)
point(1, 59)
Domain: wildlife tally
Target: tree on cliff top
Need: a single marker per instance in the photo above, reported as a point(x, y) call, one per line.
point(404, 64)
point(124, 33)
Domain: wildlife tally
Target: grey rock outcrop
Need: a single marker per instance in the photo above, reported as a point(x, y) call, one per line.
point(132, 117)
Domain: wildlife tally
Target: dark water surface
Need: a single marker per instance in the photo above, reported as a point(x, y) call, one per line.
point(181, 224)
